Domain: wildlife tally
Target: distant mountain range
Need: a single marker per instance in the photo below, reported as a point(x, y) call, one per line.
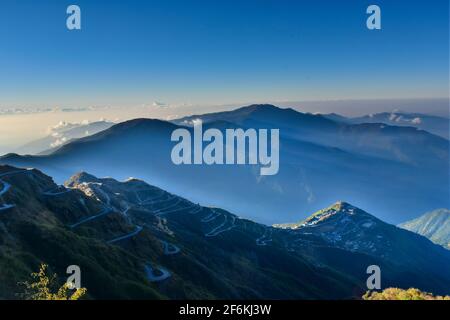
point(62, 134)
point(133, 240)
point(376, 166)
point(434, 225)
point(433, 124)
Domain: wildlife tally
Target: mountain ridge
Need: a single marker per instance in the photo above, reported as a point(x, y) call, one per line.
point(153, 237)
point(435, 225)
point(312, 161)
point(436, 125)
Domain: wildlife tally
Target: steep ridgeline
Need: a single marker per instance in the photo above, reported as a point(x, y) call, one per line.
point(134, 240)
point(35, 226)
point(209, 252)
point(351, 229)
point(434, 225)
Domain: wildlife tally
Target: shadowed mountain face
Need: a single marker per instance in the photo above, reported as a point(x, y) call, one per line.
point(376, 166)
point(134, 240)
point(434, 225)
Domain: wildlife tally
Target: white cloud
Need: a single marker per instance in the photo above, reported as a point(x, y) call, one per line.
point(416, 120)
point(172, 117)
point(58, 142)
point(159, 104)
point(196, 122)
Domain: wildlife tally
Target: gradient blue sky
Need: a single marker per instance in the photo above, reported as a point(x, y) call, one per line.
point(221, 51)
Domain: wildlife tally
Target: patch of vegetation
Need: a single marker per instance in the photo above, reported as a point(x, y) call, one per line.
point(43, 287)
point(400, 294)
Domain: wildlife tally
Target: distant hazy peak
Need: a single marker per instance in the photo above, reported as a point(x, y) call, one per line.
point(142, 122)
point(434, 225)
point(260, 106)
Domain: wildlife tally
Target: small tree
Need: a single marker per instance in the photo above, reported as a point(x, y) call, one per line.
point(43, 287)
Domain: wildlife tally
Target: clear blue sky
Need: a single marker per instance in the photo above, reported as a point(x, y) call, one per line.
point(220, 51)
